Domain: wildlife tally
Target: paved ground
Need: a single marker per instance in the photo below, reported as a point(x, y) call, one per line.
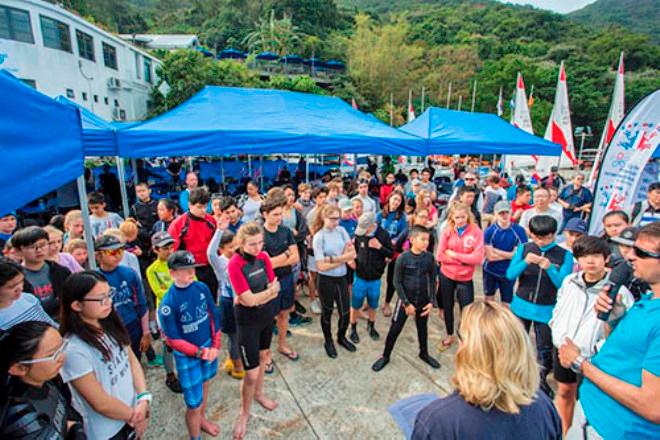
point(319, 397)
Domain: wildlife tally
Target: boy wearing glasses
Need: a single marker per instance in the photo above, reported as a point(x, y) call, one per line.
point(44, 279)
point(128, 295)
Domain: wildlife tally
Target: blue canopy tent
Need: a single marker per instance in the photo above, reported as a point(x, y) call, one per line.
point(41, 143)
point(457, 132)
point(231, 53)
point(291, 59)
point(267, 56)
point(221, 121)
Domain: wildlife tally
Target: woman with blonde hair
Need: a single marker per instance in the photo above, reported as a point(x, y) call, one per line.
point(496, 384)
point(460, 251)
point(425, 201)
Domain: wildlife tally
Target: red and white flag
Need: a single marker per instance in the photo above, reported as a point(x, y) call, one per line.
point(411, 109)
point(521, 119)
point(616, 114)
point(560, 129)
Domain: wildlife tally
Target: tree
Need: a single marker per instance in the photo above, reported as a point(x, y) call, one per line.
point(276, 35)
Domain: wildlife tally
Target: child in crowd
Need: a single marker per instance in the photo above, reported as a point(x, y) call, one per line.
point(160, 280)
point(45, 279)
point(73, 225)
point(100, 219)
point(78, 250)
point(501, 239)
point(128, 259)
point(574, 316)
point(229, 206)
point(191, 324)
point(7, 227)
point(414, 278)
point(614, 222)
point(166, 211)
point(373, 247)
point(521, 202)
point(15, 305)
point(55, 253)
point(540, 266)
point(347, 220)
point(304, 202)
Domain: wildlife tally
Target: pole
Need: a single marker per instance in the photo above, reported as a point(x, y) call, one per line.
point(307, 169)
point(423, 97)
point(250, 166)
point(261, 173)
point(474, 95)
point(355, 167)
point(121, 174)
point(222, 170)
point(87, 232)
point(391, 109)
point(460, 102)
point(449, 95)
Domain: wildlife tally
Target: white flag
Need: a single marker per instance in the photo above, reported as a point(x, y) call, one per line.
point(560, 129)
point(521, 119)
point(616, 114)
point(411, 109)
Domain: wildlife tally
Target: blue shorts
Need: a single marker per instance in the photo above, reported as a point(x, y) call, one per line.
point(286, 295)
point(227, 317)
point(368, 289)
point(193, 372)
point(493, 282)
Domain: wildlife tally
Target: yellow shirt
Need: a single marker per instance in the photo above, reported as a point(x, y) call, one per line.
point(159, 279)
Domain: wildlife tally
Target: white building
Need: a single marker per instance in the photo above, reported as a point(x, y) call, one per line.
point(162, 41)
point(59, 53)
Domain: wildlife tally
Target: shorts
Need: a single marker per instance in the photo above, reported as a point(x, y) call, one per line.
point(297, 270)
point(253, 338)
point(493, 282)
point(562, 375)
point(311, 264)
point(134, 330)
point(286, 295)
point(368, 289)
point(193, 372)
point(227, 317)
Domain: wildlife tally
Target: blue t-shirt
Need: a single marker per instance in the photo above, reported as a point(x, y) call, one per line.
point(188, 314)
point(128, 300)
point(576, 198)
point(349, 225)
point(633, 346)
point(393, 226)
point(505, 240)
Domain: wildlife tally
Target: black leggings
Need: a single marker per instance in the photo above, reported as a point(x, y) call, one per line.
point(389, 292)
point(206, 275)
point(543, 338)
point(449, 289)
point(399, 319)
point(331, 290)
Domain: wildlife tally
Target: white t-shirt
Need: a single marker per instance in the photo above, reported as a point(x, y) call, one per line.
point(100, 224)
point(250, 209)
point(368, 204)
point(528, 214)
point(114, 376)
point(26, 308)
point(328, 243)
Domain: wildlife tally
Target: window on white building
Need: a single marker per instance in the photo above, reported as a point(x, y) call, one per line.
point(30, 82)
point(147, 71)
point(85, 45)
point(110, 56)
point(15, 25)
point(138, 66)
point(56, 34)
point(84, 95)
point(106, 101)
point(70, 94)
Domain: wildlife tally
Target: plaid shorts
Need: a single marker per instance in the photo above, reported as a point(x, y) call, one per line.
point(193, 372)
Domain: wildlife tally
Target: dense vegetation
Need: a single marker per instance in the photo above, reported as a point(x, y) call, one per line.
point(397, 46)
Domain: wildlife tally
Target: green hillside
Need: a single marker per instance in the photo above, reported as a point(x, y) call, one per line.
point(641, 16)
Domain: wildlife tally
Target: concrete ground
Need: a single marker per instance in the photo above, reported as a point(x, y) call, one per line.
point(319, 397)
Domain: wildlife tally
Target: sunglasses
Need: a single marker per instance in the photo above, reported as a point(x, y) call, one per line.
point(53, 357)
point(102, 300)
point(643, 253)
point(113, 252)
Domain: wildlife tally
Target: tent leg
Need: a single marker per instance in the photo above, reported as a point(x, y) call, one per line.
point(122, 185)
point(89, 240)
point(261, 173)
point(135, 176)
point(222, 171)
point(355, 167)
point(250, 166)
point(307, 170)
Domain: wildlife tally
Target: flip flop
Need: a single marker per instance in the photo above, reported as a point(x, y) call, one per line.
point(444, 346)
point(292, 355)
point(270, 368)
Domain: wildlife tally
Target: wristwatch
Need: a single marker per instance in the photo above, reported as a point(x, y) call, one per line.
point(199, 353)
point(576, 365)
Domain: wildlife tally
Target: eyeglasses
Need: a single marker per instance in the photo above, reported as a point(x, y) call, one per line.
point(643, 253)
point(53, 357)
point(333, 218)
point(470, 178)
point(37, 247)
point(102, 300)
point(113, 252)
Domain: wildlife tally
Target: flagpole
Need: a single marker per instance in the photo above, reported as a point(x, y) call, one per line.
point(449, 95)
point(460, 102)
point(474, 96)
point(423, 97)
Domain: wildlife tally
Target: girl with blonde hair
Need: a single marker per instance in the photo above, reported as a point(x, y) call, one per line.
point(496, 384)
point(425, 201)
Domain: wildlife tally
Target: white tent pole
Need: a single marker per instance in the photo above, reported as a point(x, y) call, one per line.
point(307, 169)
point(250, 166)
point(222, 170)
point(121, 174)
point(87, 233)
point(261, 173)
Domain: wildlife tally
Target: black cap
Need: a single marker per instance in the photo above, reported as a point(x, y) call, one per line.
point(107, 243)
point(181, 260)
point(627, 236)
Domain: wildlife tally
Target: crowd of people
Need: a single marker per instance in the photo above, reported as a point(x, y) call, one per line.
point(191, 270)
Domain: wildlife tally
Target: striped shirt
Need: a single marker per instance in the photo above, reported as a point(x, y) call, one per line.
point(26, 308)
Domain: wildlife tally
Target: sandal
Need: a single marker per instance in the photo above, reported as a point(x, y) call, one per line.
point(445, 345)
point(292, 355)
point(270, 368)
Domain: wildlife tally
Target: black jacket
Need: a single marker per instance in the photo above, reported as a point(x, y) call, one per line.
point(534, 284)
point(145, 213)
point(370, 261)
point(58, 275)
point(414, 278)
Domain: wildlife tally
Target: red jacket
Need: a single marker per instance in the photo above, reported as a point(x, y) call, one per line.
point(385, 191)
point(469, 248)
point(197, 237)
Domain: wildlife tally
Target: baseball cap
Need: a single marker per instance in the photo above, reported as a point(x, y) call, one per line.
point(345, 204)
point(365, 221)
point(160, 239)
point(502, 206)
point(181, 260)
point(107, 243)
point(627, 236)
point(576, 225)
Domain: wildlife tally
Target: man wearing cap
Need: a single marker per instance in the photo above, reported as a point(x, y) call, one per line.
point(541, 207)
point(554, 179)
point(647, 211)
point(500, 242)
point(373, 246)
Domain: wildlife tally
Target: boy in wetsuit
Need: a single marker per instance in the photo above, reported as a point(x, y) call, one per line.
point(414, 280)
point(191, 323)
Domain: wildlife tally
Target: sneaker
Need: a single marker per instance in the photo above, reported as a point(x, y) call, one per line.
point(355, 338)
point(373, 333)
point(237, 374)
point(346, 344)
point(380, 364)
point(174, 385)
point(299, 320)
point(330, 349)
point(155, 362)
point(300, 308)
point(315, 306)
point(153, 329)
point(429, 360)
